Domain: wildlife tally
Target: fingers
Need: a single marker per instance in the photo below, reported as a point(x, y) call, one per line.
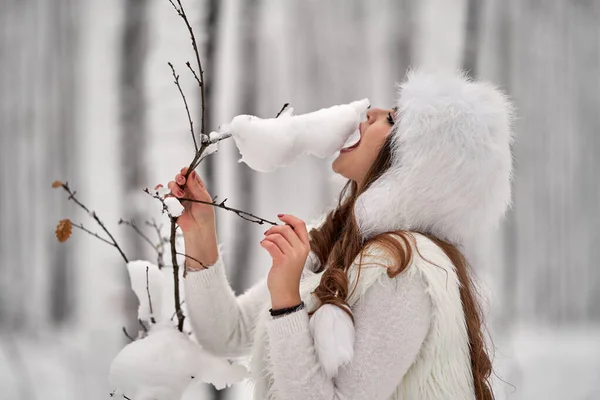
point(298, 225)
point(273, 250)
point(196, 188)
point(195, 185)
point(175, 189)
point(288, 233)
point(281, 242)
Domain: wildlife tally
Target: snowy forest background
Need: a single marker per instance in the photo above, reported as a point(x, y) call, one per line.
point(86, 96)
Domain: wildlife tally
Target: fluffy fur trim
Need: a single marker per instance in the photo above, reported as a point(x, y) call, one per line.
point(333, 334)
point(451, 160)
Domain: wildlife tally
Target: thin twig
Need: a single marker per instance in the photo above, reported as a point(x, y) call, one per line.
point(198, 156)
point(184, 268)
point(128, 335)
point(160, 247)
point(183, 15)
point(187, 109)
point(175, 313)
point(133, 225)
point(80, 226)
point(242, 214)
point(282, 109)
point(200, 262)
point(159, 198)
point(149, 297)
point(180, 316)
point(95, 216)
point(194, 73)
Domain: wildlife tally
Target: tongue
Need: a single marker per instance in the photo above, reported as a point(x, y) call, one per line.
point(353, 140)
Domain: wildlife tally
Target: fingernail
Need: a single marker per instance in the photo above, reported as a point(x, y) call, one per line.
point(280, 215)
point(266, 231)
point(194, 174)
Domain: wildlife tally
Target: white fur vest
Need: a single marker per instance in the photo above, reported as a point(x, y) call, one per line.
point(442, 368)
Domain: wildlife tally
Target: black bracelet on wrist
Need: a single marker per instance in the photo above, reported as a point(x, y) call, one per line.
point(288, 310)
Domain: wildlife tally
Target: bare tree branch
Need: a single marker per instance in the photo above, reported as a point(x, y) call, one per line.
point(192, 258)
point(242, 214)
point(175, 313)
point(285, 106)
point(181, 12)
point(142, 325)
point(187, 109)
point(194, 73)
point(80, 226)
point(160, 247)
point(128, 336)
point(180, 316)
point(152, 319)
point(93, 214)
point(133, 225)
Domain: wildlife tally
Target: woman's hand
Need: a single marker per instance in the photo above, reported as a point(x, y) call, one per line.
point(289, 246)
point(197, 222)
point(197, 217)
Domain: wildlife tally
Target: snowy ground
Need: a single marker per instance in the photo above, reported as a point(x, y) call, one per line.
point(549, 364)
point(541, 363)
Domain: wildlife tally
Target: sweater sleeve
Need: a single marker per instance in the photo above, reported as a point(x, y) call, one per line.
point(391, 322)
point(223, 323)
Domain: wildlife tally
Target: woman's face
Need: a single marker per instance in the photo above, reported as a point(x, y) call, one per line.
point(354, 162)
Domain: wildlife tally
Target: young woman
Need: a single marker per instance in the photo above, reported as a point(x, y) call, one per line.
point(425, 177)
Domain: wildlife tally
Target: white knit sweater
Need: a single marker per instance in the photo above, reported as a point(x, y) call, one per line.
point(392, 320)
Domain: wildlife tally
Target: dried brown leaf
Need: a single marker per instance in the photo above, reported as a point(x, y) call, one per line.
point(57, 184)
point(63, 230)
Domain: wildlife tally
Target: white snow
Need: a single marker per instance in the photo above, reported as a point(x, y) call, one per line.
point(174, 207)
point(267, 144)
point(165, 363)
point(162, 191)
point(146, 279)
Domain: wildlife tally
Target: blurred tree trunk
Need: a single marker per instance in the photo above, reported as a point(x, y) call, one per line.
point(210, 74)
point(37, 119)
point(64, 50)
point(245, 195)
point(133, 128)
point(209, 63)
point(557, 192)
point(403, 39)
point(471, 53)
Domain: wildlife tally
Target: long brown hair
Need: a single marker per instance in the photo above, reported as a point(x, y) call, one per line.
point(337, 243)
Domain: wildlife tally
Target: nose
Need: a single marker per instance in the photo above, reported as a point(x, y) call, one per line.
point(372, 114)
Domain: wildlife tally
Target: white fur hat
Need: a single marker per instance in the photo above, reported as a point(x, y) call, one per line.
point(451, 160)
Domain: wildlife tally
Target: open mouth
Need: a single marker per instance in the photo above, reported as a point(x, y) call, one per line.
point(351, 141)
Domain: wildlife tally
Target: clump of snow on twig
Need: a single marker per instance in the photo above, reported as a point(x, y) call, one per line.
point(165, 363)
point(148, 283)
point(174, 207)
point(267, 144)
point(162, 191)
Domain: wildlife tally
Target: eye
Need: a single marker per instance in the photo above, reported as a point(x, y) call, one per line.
point(390, 119)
